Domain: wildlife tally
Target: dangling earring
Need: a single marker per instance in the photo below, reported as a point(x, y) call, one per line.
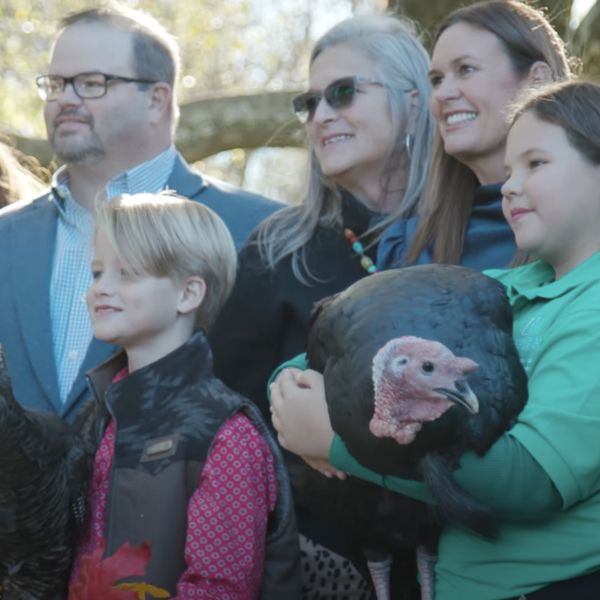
point(407, 146)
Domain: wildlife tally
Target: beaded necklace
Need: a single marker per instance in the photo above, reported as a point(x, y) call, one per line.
point(365, 262)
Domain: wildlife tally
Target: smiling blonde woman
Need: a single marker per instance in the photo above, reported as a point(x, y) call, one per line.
point(369, 133)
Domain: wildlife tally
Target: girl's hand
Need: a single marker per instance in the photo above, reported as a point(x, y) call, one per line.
point(324, 467)
point(301, 418)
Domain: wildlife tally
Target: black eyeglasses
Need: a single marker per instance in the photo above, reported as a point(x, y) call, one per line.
point(85, 85)
point(338, 94)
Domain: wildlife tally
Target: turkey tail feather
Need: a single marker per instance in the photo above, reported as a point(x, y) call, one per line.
point(454, 504)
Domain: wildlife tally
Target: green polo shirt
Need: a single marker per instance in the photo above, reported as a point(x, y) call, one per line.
point(557, 332)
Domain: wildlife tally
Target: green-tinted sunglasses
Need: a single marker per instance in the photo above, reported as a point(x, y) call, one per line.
point(338, 95)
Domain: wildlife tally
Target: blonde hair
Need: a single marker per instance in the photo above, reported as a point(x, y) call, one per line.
point(402, 65)
point(163, 235)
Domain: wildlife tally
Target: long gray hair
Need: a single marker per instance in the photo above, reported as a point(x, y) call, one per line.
point(402, 64)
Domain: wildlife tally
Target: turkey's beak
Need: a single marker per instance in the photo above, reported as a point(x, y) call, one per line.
point(462, 395)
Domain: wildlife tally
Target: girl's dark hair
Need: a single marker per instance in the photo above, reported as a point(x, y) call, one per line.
point(572, 105)
point(527, 37)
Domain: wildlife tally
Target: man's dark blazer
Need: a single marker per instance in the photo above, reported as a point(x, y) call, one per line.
point(27, 241)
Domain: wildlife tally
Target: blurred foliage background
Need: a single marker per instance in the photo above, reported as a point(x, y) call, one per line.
point(242, 62)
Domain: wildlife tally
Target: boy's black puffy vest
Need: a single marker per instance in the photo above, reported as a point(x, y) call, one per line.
point(167, 416)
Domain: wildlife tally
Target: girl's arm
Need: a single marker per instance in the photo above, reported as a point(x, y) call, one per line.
point(507, 478)
point(227, 516)
point(303, 381)
point(299, 362)
point(560, 425)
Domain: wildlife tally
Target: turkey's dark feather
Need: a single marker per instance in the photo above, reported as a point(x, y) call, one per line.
point(43, 488)
point(467, 312)
point(464, 310)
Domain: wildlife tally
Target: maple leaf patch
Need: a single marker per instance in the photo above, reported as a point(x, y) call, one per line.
point(97, 577)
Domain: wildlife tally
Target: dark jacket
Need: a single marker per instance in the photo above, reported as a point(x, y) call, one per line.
point(265, 321)
point(166, 417)
point(27, 242)
point(489, 240)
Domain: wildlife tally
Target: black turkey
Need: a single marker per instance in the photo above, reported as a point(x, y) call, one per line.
point(419, 366)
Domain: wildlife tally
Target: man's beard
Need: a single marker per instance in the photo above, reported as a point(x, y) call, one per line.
point(75, 150)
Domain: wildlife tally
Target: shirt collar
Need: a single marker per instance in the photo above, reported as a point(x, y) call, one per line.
point(356, 216)
point(68, 208)
point(537, 280)
point(60, 183)
point(149, 177)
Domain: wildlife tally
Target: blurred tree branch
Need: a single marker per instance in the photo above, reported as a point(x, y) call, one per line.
point(211, 125)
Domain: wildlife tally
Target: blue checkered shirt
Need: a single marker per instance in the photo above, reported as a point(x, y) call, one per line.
point(71, 274)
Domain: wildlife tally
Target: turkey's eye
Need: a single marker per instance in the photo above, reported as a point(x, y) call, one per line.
point(427, 367)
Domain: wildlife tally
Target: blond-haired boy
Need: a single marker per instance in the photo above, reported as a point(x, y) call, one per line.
point(180, 459)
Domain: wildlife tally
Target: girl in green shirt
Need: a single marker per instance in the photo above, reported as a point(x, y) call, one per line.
point(543, 476)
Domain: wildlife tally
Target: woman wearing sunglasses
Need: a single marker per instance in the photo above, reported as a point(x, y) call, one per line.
point(369, 131)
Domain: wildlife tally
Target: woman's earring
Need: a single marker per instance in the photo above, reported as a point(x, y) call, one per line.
point(407, 143)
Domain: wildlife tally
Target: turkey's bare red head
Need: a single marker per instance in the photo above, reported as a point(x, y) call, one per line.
point(417, 381)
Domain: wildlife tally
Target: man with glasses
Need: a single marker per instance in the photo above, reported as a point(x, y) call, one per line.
point(111, 113)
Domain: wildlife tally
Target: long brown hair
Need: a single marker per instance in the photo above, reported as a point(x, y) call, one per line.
point(527, 37)
point(16, 181)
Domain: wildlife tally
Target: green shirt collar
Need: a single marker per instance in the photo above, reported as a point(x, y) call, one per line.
point(537, 280)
